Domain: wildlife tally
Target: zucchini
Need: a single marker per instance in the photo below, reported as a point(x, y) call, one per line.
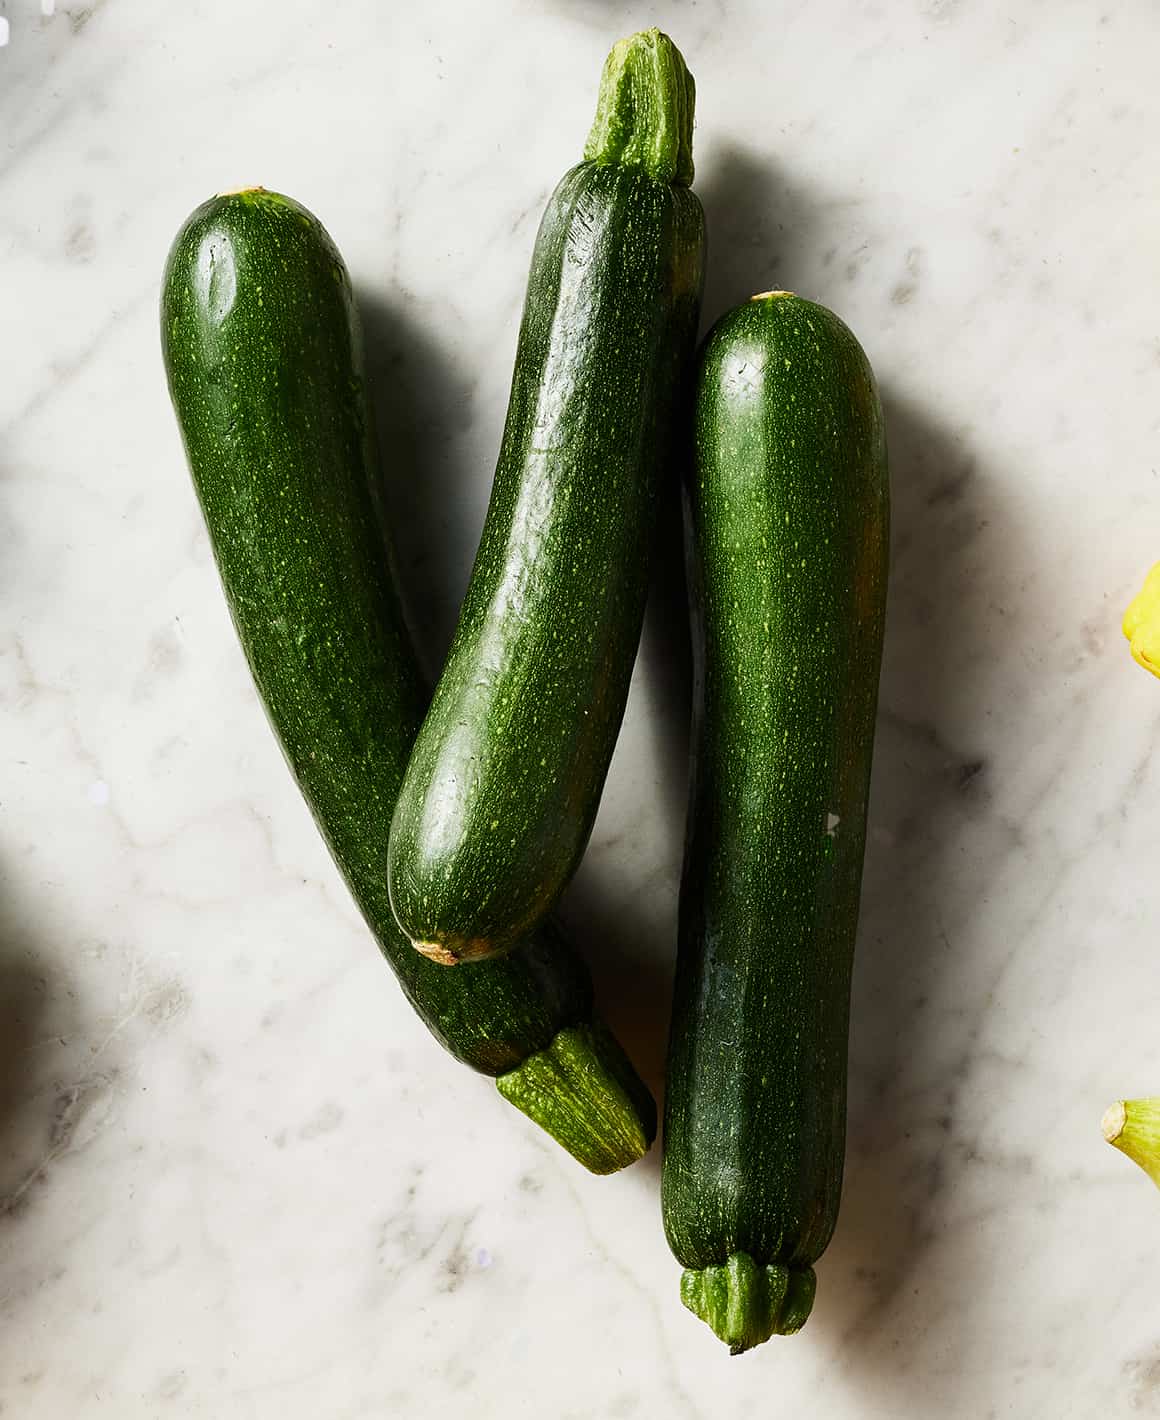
point(507, 772)
point(262, 352)
point(788, 519)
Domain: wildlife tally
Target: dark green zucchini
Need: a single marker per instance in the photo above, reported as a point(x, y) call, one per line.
point(264, 362)
point(788, 515)
point(507, 772)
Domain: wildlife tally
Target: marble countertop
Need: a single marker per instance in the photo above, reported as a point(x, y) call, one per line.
point(236, 1176)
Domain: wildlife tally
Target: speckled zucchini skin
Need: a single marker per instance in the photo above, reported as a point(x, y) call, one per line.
point(788, 518)
point(263, 355)
point(507, 773)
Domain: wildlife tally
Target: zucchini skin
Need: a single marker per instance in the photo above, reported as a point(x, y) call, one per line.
point(788, 523)
point(263, 354)
point(506, 776)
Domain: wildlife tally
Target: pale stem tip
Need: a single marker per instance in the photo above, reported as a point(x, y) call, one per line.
point(1112, 1124)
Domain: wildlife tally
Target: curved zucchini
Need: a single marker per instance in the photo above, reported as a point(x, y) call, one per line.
point(788, 515)
point(507, 772)
point(264, 362)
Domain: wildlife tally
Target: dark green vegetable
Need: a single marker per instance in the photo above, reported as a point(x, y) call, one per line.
point(265, 369)
point(507, 772)
point(788, 515)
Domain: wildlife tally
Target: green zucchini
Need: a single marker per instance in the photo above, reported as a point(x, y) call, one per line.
point(507, 772)
point(264, 361)
point(788, 518)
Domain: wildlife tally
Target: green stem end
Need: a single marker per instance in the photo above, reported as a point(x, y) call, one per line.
point(746, 1302)
point(644, 114)
point(1133, 1127)
point(585, 1093)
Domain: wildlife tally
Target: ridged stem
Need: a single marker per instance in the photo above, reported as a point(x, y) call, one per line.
point(584, 1091)
point(644, 114)
point(1133, 1127)
point(746, 1302)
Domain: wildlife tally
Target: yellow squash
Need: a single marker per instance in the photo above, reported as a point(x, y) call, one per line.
point(1142, 623)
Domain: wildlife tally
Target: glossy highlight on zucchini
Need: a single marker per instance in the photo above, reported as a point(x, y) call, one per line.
point(788, 519)
point(506, 777)
point(263, 355)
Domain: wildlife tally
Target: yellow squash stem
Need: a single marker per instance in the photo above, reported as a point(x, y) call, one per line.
point(1133, 1126)
point(1142, 623)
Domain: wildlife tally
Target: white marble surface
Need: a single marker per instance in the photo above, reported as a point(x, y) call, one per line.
point(237, 1177)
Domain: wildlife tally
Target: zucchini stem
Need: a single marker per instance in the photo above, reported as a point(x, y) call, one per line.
point(644, 114)
point(746, 1302)
point(584, 1091)
point(1133, 1127)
